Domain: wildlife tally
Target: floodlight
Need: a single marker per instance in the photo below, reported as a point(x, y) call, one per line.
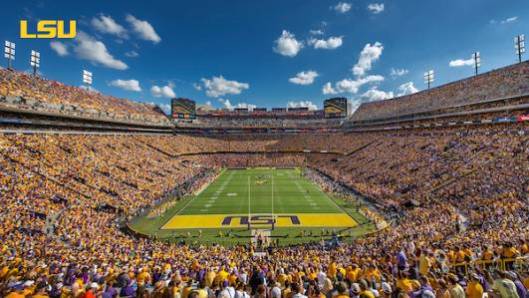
point(519, 46)
point(9, 52)
point(35, 61)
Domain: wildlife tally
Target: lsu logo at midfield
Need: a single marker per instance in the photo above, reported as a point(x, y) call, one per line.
point(49, 29)
point(260, 220)
point(230, 221)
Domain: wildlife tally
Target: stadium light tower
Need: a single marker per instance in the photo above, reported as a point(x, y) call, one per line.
point(35, 61)
point(87, 79)
point(429, 78)
point(477, 61)
point(519, 45)
point(9, 52)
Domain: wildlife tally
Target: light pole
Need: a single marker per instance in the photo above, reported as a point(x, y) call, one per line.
point(35, 61)
point(87, 79)
point(429, 78)
point(9, 52)
point(477, 61)
point(519, 45)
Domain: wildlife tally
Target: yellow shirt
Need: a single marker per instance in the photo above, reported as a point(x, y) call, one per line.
point(405, 285)
point(222, 275)
point(424, 265)
point(474, 290)
point(352, 274)
point(210, 277)
point(367, 294)
point(487, 255)
point(510, 252)
point(332, 270)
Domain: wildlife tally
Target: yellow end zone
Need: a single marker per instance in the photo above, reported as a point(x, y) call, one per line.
point(301, 220)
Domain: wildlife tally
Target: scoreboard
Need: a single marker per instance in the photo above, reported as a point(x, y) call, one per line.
point(335, 107)
point(183, 108)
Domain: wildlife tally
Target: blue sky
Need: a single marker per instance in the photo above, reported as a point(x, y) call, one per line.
point(268, 53)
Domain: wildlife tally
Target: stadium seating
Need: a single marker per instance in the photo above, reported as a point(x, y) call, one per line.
point(456, 198)
point(487, 88)
point(479, 174)
point(24, 91)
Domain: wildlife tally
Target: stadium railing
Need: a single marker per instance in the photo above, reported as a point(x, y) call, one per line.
point(519, 263)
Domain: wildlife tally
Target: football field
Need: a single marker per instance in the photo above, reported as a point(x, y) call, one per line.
point(260, 198)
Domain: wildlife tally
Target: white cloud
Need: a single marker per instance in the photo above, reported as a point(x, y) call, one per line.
point(398, 72)
point(60, 48)
point(162, 91)
point(93, 50)
point(505, 21)
point(129, 85)
point(287, 44)
point(375, 95)
point(219, 86)
point(131, 54)
point(304, 77)
point(376, 8)
point(106, 24)
point(509, 20)
point(342, 7)
point(197, 86)
point(302, 104)
point(406, 89)
point(351, 86)
point(316, 32)
point(226, 103)
point(328, 89)
point(331, 43)
point(166, 108)
point(242, 105)
point(369, 54)
point(461, 62)
point(144, 29)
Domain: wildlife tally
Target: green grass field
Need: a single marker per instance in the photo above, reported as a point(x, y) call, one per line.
point(258, 192)
point(281, 191)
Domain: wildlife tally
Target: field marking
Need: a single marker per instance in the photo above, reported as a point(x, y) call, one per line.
point(301, 220)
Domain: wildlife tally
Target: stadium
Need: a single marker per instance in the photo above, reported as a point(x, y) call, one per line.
point(420, 194)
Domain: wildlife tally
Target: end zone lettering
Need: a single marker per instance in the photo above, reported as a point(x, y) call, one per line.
point(259, 219)
point(49, 29)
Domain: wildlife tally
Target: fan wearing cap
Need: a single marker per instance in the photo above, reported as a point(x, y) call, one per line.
point(385, 290)
point(341, 290)
point(365, 291)
point(455, 289)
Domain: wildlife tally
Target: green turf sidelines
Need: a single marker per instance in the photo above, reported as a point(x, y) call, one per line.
point(237, 191)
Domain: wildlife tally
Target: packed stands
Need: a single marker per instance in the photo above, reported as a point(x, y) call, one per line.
point(456, 198)
point(90, 180)
point(27, 92)
point(506, 87)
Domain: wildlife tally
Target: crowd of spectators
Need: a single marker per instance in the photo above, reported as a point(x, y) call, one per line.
point(24, 91)
point(507, 82)
point(62, 196)
point(227, 122)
